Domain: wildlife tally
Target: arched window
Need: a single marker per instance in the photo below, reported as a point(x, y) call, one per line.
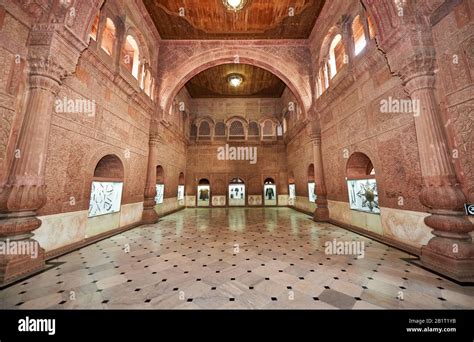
point(108, 37)
point(371, 25)
point(160, 185)
point(95, 27)
point(254, 130)
point(361, 184)
point(204, 129)
point(147, 84)
point(152, 89)
point(267, 129)
point(236, 130)
point(336, 55)
point(131, 56)
point(326, 76)
point(142, 76)
point(219, 129)
point(320, 82)
point(358, 35)
point(107, 186)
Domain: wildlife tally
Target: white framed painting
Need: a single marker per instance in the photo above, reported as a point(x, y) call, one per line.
point(203, 196)
point(363, 195)
point(236, 194)
point(160, 193)
point(180, 192)
point(312, 192)
point(270, 194)
point(106, 198)
point(292, 191)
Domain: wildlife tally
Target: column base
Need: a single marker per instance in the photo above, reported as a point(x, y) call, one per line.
point(461, 270)
point(321, 215)
point(149, 216)
point(16, 267)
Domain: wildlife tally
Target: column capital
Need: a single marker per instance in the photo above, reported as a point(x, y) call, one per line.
point(46, 72)
point(155, 139)
point(419, 82)
point(313, 130)
point(421, 63)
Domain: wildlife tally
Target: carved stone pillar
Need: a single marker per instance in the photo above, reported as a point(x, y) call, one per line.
point(321, 213)
point(24, 192)
point(409, 46)
point(149, 214)
point(451, 251)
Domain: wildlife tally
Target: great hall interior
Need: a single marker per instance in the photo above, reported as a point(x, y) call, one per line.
point(236, 154)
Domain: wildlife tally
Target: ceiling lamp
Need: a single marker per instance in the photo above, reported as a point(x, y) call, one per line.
point(234, 5)
point(235, 80)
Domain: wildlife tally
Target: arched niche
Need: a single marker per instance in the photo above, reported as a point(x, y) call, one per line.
point(160, 185)
point(237, 192)
point(270, 195)
point(203, 193)
point(107, 186)
point(362, 184)
point(311, 184)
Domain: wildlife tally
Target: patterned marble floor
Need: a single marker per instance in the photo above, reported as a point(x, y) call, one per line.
point(231, 259)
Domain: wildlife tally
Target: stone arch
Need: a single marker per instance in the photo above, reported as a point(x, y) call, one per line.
point(311, 173)
point(359, 166)
point(85, 12)
point(111, 167)
point(174, 80)
point(160, 175)
point(291, 177)
point(385, 19)
point(91, 166)
point(325, 46)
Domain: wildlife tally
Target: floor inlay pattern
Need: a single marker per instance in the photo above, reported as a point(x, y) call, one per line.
point(272, 258)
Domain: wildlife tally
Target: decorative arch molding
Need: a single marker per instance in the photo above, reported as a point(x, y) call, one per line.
point(392, 27)
point(77, 16)
point(237, 119)
point(175, 78)
point(131, 30)
point(325, 46)
point(359, 165)
point(208, 119)
point(90, 168)
point(231, 119)
point(365, 152)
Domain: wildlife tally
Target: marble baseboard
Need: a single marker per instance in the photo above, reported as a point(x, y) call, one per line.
point(303, 204)
point(190, 201)
point(131, 213)
point(61, 229)
point(401, 225)
point(254, 200)
point(101, 224)
point(407, 226)
point(218, 201)
point(169, 205)
point(282, 200)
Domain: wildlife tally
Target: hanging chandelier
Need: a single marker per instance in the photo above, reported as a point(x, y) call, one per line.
point(234, 5)
point(235, 80)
